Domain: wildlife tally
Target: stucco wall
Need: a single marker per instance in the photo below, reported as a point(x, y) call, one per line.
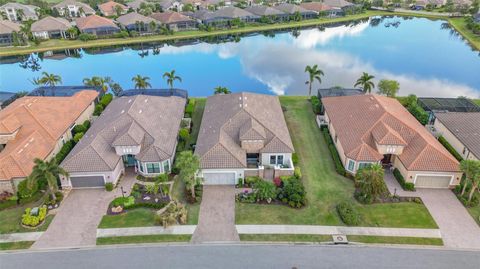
point(453, 140)
point(338, 145)
point(6, 185)
point(265, 158)
point(410, 176)
point(109, 176)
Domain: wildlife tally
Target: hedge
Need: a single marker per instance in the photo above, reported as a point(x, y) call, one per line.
point(407, 186)
point(333, 151)
point(449, 147)
point(66, 148)
point(147, 205)
point(348, 213)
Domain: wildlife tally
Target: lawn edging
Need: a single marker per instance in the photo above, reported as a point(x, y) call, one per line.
point(141, 231)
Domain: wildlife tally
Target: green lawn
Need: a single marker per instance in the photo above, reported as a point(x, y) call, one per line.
point(179, 195)
point(461, 27)
point(286, 237)
point(139, 217)
point(475, 212)
point(477, 101)
point(143, 239)
point(325, 188)
point(16, 245)
point(395, 240)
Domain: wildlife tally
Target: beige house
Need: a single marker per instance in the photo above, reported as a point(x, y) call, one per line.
point(37, 127)
point(462, 131)
point(370, 129)
point(50, 27)
point(243, 134)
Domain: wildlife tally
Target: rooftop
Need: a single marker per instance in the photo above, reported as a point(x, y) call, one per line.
point(170, 17)
point(94, 21)
point(465, 126)
point(51, 24)
point(448, 104)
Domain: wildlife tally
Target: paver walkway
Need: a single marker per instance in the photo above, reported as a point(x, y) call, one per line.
point(76, 221)
point(216, 220)
point(458, 228)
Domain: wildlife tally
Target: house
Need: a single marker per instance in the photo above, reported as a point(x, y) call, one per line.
point(172, 5)
point(268, 12)
point(7, 32)
point(112, 8)
point(224, 15)
point(296, 9)
point(243, 134)
point(342, 4)
point(96, 25)
point(6, 96)
point(134, 131)
point(50, 27)
point(19, 12)
point(175, 21)
point(323, 9)
point(462, 131)
point(31, 127)
point(137, 4)
point(73, 8)
point(435, 104)
point(136, 22)
point(368, 129)
point(336, 91)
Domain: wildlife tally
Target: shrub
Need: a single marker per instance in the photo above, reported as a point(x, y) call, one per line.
point(449, 147)
point(109, 186)
point(295, 158)
point(123, 201)
point(79, 129)
point(86, 124)
point(98, 110)
point(333, 151)
point(184, 134)
point(77, 137)
point(106, 99)
point(33, 221)
point(121, 34)
point(297, 172)
point(278, 182)
point(315, 104)
point(405, 185)
point(190, 108)
point(348, 213)
point(86, 37)
point(293, 193)
point(147, 205)
point(24, 191)
point(162, 178)
point(265, 190)
point(250, 181)
point(66, 148)
point(58, 196)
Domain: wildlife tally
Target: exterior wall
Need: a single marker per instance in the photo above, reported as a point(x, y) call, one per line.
point(453, 140)
point(337, 143)
point(265, 158)
point(6, 186)
point(6, 39)
point(109, 176)
point(390, 149)
point(252, 146)
point(4, 138)
point(283, 172)
point(124, 150)
point(260, 172)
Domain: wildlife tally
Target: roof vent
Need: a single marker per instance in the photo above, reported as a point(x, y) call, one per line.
point(140, 111)
point(129, 101)
point(114, 129)
point(123, 111)
point(146, 100)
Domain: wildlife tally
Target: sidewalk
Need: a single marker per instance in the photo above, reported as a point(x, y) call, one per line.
point(155, 230)
point(17, 237)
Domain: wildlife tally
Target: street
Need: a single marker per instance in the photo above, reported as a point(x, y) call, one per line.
point(241, 256)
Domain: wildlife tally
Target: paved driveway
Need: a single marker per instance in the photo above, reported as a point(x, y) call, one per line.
point(75, 224)
point(217, 215)
point(458, 228)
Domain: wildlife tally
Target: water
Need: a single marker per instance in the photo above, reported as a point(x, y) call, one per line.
point(427, 58)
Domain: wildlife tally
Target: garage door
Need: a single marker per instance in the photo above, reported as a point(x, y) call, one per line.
point(219, 178)
point(430, 181)
point(87, 182)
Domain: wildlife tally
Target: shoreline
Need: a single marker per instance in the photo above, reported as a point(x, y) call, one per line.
point(55, 44)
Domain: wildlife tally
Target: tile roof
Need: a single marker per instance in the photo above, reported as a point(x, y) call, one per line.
point(362, 121)
point(8, 27)
point(94, 21)
point(229, 118)
point(292, 9)
point(50, 24)
point(316, 6)
point(86, 8)
point(232, 12)
point(264, 11)
point(28, 10)
point(39, 128)
point(338, 3)
point(109, 8)
point(152, 122)
point(170, 17)
point(132, 18)
point(465, 126)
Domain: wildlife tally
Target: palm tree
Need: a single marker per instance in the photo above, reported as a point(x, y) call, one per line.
point(20, 14)
point(188, 164)
point(72, 32)
point(370, 182)
point(141, 82)
point(36, 81)
point(313, 74)
point(97, 82)
point(471, 169)
point(50, 79)
point(48, 170)
point(221, 90)
point(171, 77)
point(365, 81)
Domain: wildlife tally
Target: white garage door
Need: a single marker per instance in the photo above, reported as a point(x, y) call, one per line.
point(87, 182)
point(432, 181)
point(227, 178)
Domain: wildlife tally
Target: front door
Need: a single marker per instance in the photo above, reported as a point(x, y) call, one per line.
point(129, 160)
point(387, 159)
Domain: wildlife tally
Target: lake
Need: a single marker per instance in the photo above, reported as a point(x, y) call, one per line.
point(425, 56)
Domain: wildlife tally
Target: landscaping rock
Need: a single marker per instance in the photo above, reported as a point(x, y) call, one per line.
point(117, 209)
point(146, 198)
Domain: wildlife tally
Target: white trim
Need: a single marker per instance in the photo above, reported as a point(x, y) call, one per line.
point(354, 165)
point(434, 175)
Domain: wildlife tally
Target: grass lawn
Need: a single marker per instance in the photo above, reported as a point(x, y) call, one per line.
point(179, 195)
point(144, 239)
point(477, 101)
point(475, 212)
point(286, 237)
point(461, 27)
point(16, 245)
point(395, 240)
point(139, 217)
point(325, 188)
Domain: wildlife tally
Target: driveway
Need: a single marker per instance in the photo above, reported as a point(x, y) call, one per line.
point(458, 228)
point(217, 215)
point(76, 221)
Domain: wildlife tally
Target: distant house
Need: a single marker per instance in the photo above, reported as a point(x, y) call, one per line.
point(335, 91)
point(344, 5)
point(136, 22)
point(97, 25)
point(175, 21)
point(294, 9)
point(5, 96)
point(322, 9)
point(50, 27)
point(373, 129)
point(138, 131)
point(112, 8)
point(19, 12)
point(136, 4)
point(173, 5)
point(268, 12)
point(31, 127)
point(241, 135)
point(224, 15)
point(432, 105)
point(7, 30)
point(462, 131)
point(73, 8)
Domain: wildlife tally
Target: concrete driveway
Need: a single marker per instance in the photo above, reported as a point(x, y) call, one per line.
point(216, 221)
point(76, 221)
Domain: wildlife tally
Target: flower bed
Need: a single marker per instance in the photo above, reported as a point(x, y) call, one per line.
point(33, 217)
point(154, 196)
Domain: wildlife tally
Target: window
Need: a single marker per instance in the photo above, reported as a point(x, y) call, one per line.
point(280, 159)
point(276, 159)
point(166, 166)
point(363, 165)
point(153, 168)
point(351, 165)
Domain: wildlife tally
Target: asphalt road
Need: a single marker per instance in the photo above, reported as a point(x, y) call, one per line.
point(241, 256)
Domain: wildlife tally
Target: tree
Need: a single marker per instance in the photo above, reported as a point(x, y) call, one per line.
point(171, 77)
point(221, 90)
point(26, 29)
point(50, 79)
point(188, 164)
point(72, 32)
point(97, 82)
point(365, 81)
point(370, 182)
point(475, 183)
point(141, 82)
point(471, 169)
point(388, 87)
point(48, 171)
point(20, 14)
point(313, 74)
point(116, 88)
point(118, 10)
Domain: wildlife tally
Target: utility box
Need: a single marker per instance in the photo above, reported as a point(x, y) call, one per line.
point(339, 239)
